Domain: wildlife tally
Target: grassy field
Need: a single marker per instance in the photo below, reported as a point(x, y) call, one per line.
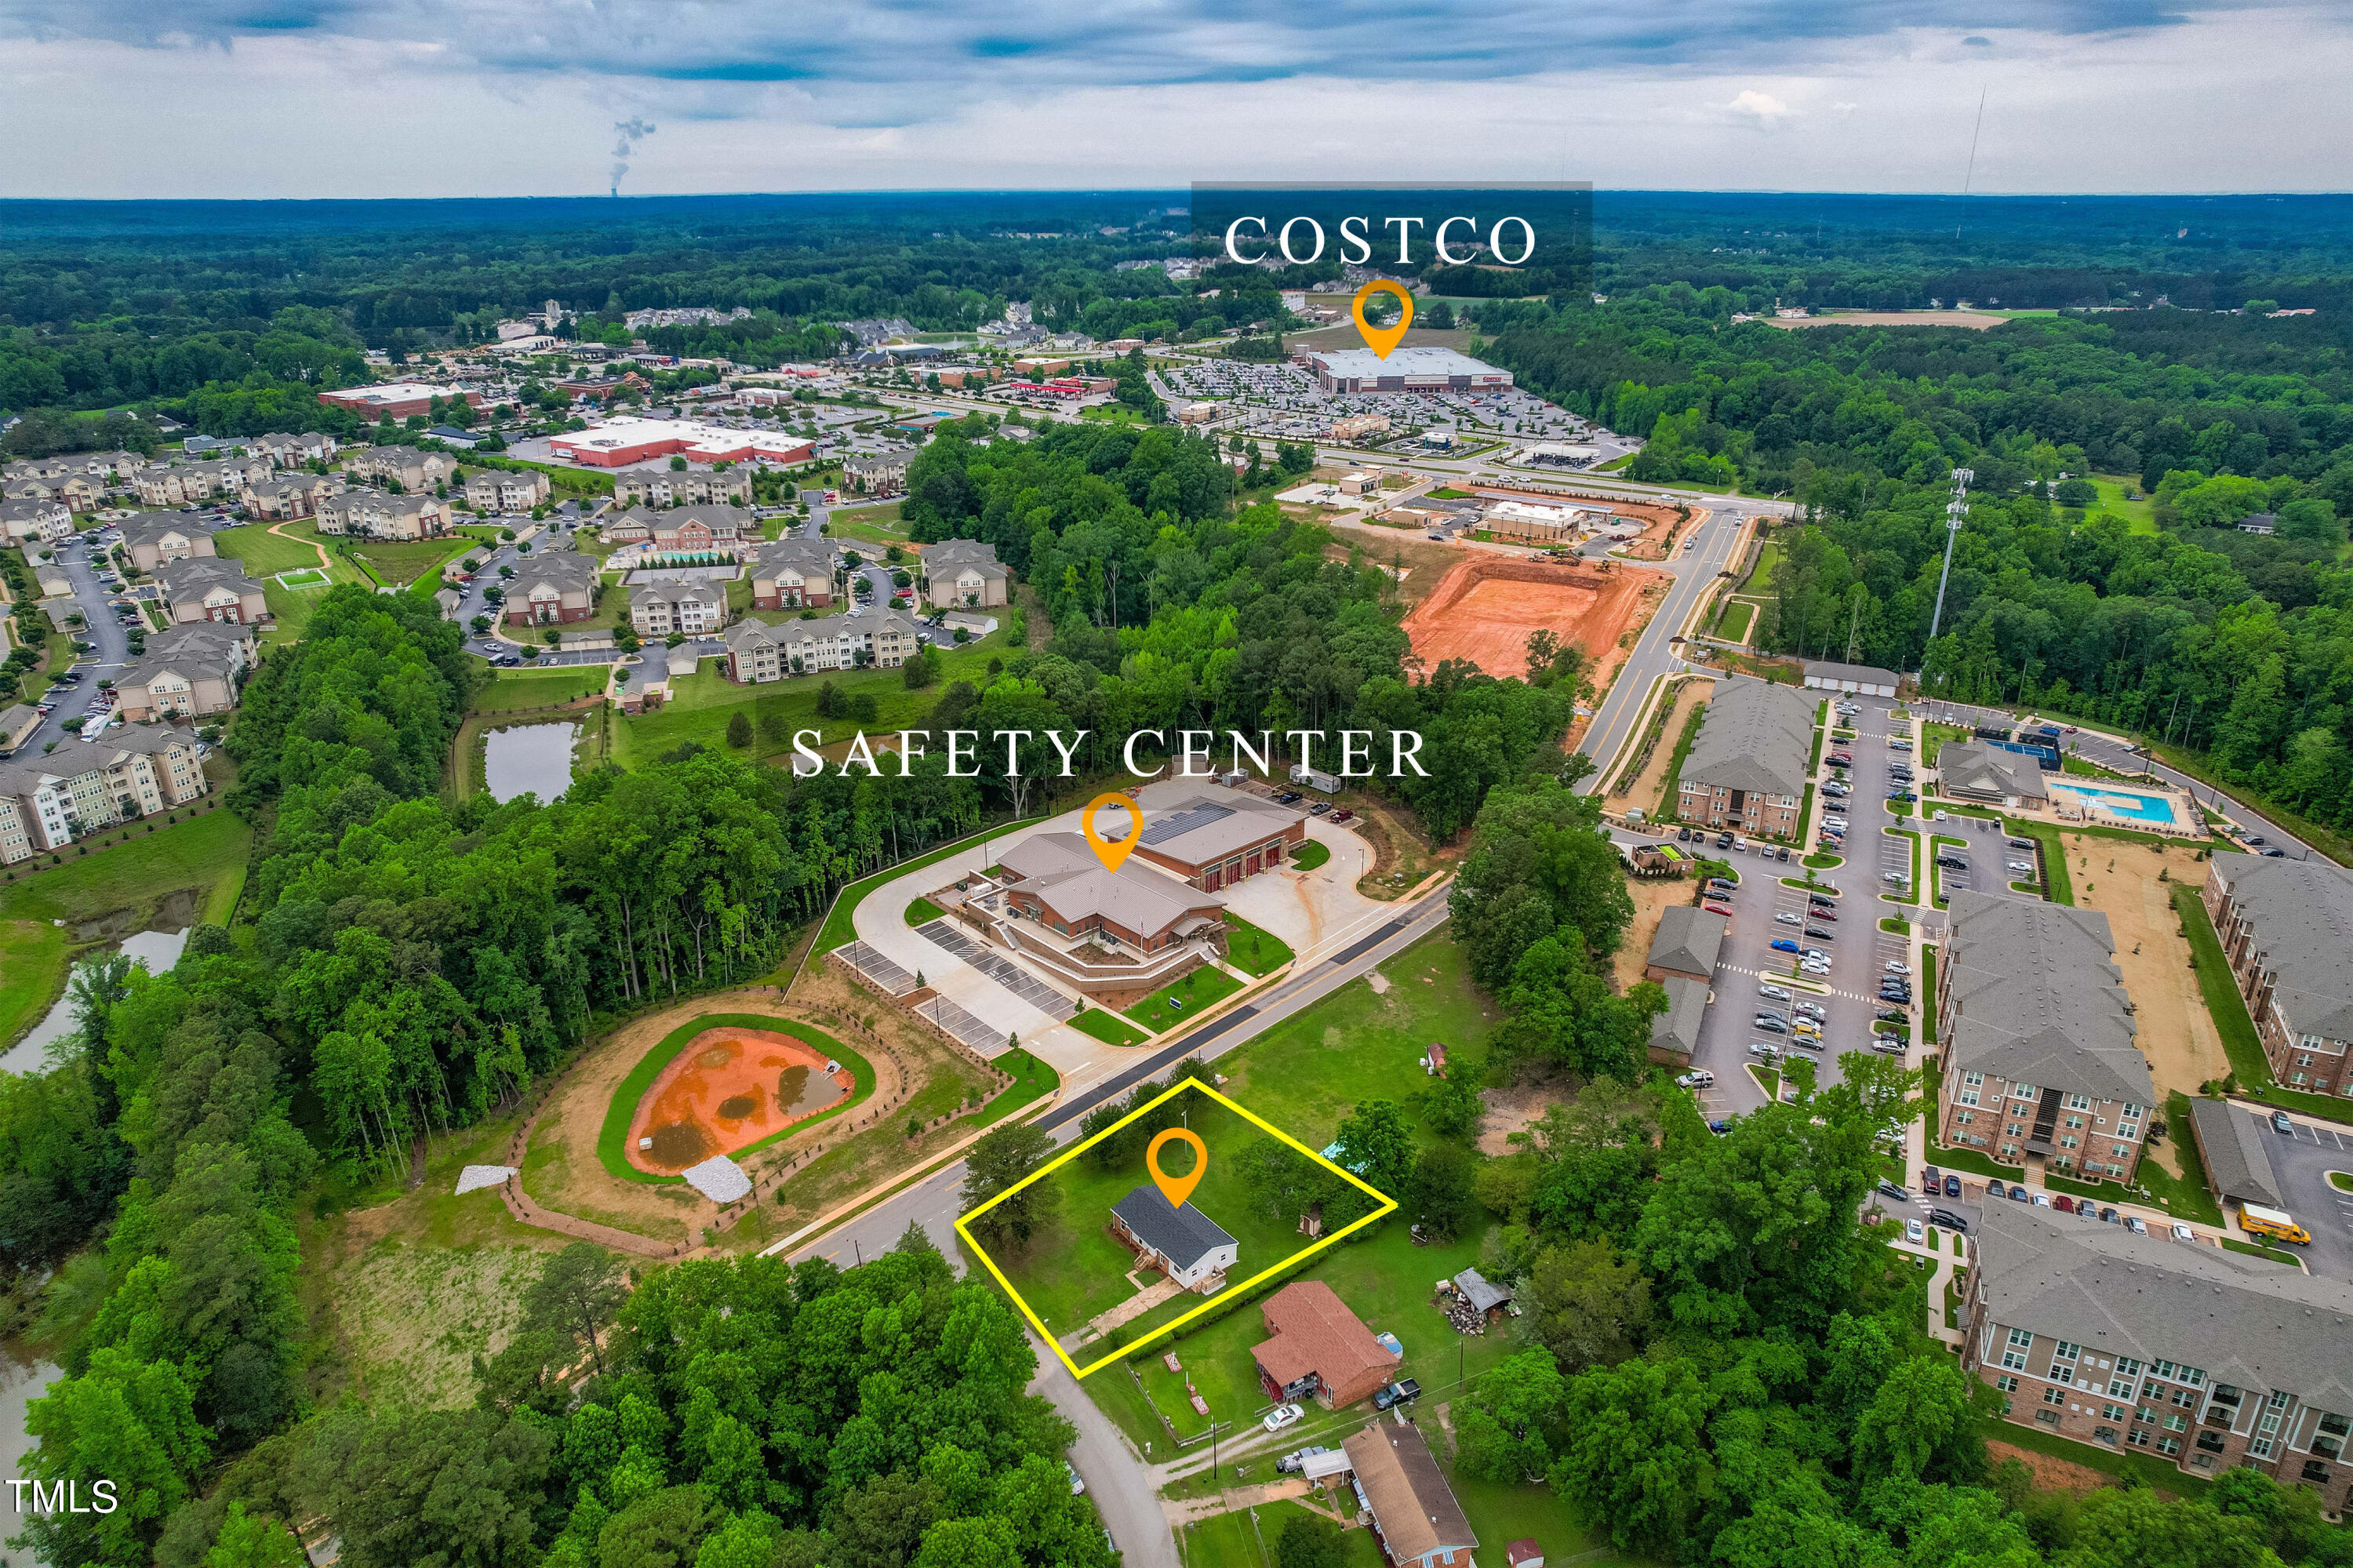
point(1108, 1028)
point(922, 911)
point(612, 1139)
point(1192, 994)
point(2140, 515)
point(398, 563)
point(1250, 1537)
point(202, 861)
point(265, 554)
point(1768, 555)
point(1033, 1080)
point(2154, 1472)
point(510, 690)
point(1932, 737)
point(700, 704)
point(2054, 856)
point(1731, 625)
point(2184, 1196)
point(837, 927)
point(1254, 952)
point(2229, 1010)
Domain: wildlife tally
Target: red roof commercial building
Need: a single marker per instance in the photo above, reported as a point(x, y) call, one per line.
point(397, 398)
point(617, 443)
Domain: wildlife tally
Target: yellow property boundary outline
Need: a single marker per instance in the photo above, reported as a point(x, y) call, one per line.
point(1388, 1206)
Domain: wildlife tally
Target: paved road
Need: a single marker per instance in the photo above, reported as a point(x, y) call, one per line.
point(110, 640)
point(1655, 653)
point(1122, 1485)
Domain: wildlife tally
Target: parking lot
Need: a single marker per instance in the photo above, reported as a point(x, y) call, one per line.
point(2302, 1160)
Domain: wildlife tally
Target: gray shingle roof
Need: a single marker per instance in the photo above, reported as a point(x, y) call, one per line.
point(1982, 769)
point(1203, 830)
point(1758, 736)
point(1677, 1029)
point(1688, 939)
point(2036, 999)
point(197, 574)
point(2253, 1324)
point(953, 554)
point(1861, 675)
point(562, 569)
point(1061, 869)
point(811, 557)
point(1184, 1237)
point(2302, 915)
point(2238, 1163)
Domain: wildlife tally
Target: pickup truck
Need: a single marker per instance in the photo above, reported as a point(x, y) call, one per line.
point(1398, 1394)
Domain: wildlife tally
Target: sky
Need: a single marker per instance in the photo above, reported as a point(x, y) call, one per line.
point(232, 98)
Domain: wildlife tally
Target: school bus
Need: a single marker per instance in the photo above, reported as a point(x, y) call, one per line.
point(2278, 1224)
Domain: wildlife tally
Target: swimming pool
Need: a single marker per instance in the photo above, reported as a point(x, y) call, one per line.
point(2120, 803)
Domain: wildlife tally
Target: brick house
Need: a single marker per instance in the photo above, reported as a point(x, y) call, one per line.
point(552, 589)
point(792, 574)
point(1318, 1349)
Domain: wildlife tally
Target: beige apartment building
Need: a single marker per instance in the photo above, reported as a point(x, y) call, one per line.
point(1747, 767)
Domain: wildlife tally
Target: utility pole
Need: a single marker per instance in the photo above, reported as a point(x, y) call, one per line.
point(1955, 510)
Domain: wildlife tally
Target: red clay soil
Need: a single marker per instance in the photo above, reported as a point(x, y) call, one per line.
point(1657, 517)
point(1488, 605)
point(727, 1088)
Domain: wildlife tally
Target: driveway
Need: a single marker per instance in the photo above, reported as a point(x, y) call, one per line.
point(2301, 1162)
point(1306, 908)
point(110, 646)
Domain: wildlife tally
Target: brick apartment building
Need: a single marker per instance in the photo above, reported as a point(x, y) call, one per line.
point(1747, 768)
point(2196, 1355)
point(2040, 1061)
point(2286, 927)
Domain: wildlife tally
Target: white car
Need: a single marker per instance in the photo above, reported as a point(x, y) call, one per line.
point(1898, 967)
point(2182, 1233)
point(1697, 1078)
point(1281, 1416)
point(1767, 987)
point(1787, 919)
point(1916, 1232)
point(1812, 1010)
point(1817, 968)
point(1834, 822)
point(1819, 955)
point(1759, 1048)
point(2020, 868)
point(1894, 876)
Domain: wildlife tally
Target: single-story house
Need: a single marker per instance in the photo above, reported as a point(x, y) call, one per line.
point(1415, 1514)
point(1687, 943)
point(1674, 1034)
point(1318, 1349)
point(1973, 770)
point(1185, 1245)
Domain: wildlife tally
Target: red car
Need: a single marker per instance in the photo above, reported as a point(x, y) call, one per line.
point(1724, 909)
point(1820, 914)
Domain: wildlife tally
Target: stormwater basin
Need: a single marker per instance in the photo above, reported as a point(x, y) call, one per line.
point(529, 759)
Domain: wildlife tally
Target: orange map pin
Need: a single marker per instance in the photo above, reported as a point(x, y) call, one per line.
point(1111, 852)
point(1177, 1188)
point(1382, 340)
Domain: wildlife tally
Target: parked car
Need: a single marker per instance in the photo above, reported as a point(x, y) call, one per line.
point(2063, 1203)
point(1765, 1049)
point(2282, 1125)
point(2136, 1224)
point(1783, 945)
point(1398, 1394)
point(2182, 1233)
point(1770, 1024)
point(1812, 1010)
point(1889, 1015)
point(1914, 1232)
point(1932, 1182)
point(1820, 935)
point(1724, 840)
point(1697, 1078)
point(1888, 1045)
point(1817, 955)
point(1342, 814)
point(1282, 1415)
point(2107, 1216)
point(2020, 868)
point(1712, 907)
point(1952, 863)
point(1724, 882)
point(1898, 967)
point(1683, 836)
point(1318, 809)
point(1994, 1189)
point(1952, 1185)
point(1778, 992)
point(1785, 917)
point(1291, 1463)
point(1781, 853)
point(2020, 843)
point(1949, 1220)
point(1890, 1190)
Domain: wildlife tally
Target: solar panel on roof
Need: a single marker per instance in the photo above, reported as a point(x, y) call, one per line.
point(1183, 822)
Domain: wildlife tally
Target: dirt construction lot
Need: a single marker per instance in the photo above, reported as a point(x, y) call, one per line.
point(1486, 608)
point(2119, 880)
point(1654, 897)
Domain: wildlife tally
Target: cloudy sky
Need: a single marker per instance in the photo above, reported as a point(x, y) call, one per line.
point(428, 98)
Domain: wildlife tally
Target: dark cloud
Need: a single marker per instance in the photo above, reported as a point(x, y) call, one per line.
point(1025, 45)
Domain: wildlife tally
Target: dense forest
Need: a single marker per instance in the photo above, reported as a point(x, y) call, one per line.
point(2179, 625)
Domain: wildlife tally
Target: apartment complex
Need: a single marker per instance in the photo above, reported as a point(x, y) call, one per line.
point(965, 574)
point(48, 803)
point(678, 605)
point(2200, 1356)
point(25, 521)
point(1747, 767)
point(292, 452)
point(494, 490)
point(376, 515)
point(411, 468)
point(189, 483)
point(188, 671)
point(877, 473)
point(2286, 927)
point(205, 587)
point(2040, 1061)
point(683, 530)
point(551, 589)
point(290, 495)
point(792, 574)
point(693, 488)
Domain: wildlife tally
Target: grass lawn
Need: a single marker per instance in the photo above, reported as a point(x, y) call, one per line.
point(2141, 514)
point(701, 703)
point(1768, 555)
point(1501, 1511)
point(1932, 736)
point(1108, 1028)
point(1310, 854)
point(2184, 1196)
point(2251, 1250)
point(206, 855)
point(1732, 624)
point(265, 554)
point(1928, 995)
point(509, 690)
point(924, 910)
point(613, 1138)
point(399, 563)
point(837, 927)
point(1254, 952)
point(1194, 994)
point(1033, 1080)
point(2229, 1010)
point(1671, 791)
point(1250, 1537)
point(2054, 856)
